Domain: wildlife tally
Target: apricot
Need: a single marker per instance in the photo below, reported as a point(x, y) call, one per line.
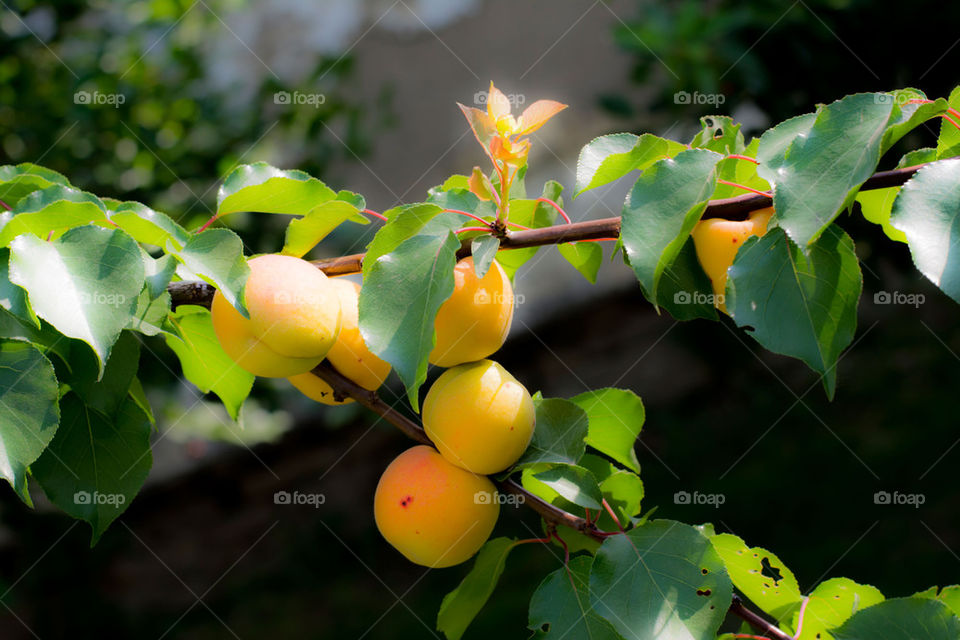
point(349, 354)
point(294, 318)
point(474, 321)
point(434, 513)
point(479, 416)
point(717, 242)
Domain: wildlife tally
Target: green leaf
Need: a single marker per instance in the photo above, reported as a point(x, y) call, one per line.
point(558, 437)
point(819, 173)
point(53, 209)
point(560, 608)
point(876, 205)
point(610, 157)
point(265, 189)
point(950, 596)
point(803, 306)
point(484, 249)
point(661, 581)
point(204, 361)
point(159, 272)
point(402, 291)
point(28, 411)
point(902, 619)
point(616, 417)
point(403, 222)
point(917, 156)
point(17, 182)
point(948, 143)
point(12, 297)
point(97, 462)
point(85, 283)
point(685, 291)
point(303, 234)
point(575, 484)
point(462, 199)
point(623, 491)
point(148, 226)
point(741, 172)
point(661, 210)
point(759, 575)
point(461, 606)
point(720, 134)
point(905, 116)
point(773, 145)
point(108, 393)
point(216, 256)
point(586, 257)
point(831, 604)
point(149, 316)
point(927, 211)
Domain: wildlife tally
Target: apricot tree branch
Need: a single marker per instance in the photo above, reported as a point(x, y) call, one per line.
point(344, 387)
point(604, 228)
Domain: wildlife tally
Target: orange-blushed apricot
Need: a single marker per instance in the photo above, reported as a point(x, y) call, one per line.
point(434, 513)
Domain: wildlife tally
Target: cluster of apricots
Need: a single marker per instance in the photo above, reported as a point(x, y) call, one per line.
point(717, 242)
point(435, 505)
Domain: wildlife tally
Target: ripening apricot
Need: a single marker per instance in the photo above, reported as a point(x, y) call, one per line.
point(349, 354)
point(717, 242)
point(294, 318)
point(479, 416)
point(474, 321)
point(434, 513)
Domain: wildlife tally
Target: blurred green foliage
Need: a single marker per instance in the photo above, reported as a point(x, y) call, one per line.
point(785, 57)
point(127, 99)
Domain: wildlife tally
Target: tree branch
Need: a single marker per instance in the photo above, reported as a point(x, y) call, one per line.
point(730, 208)
point(343, 387)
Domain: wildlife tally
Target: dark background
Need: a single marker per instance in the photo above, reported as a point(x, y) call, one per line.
point(204, 552)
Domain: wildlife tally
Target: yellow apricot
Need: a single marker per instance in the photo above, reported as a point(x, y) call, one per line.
point(349, 354)
point(717, 242)
point(474, 321)
point(294, 318)
point(479, 416)
point(435, 514)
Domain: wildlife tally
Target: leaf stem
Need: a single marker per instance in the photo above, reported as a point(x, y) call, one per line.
point(557, 207)
point(375, 214)
point(744, 187)
point(736, 156)
point(209, 222)
point(5, 206)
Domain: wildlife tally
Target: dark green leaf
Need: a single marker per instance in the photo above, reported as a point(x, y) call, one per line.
point(660, 581)
point(96, 463)
point(148, 226)
point(108, 393)
point(927, 211)
point(85, 283)
point(560, 608)
point(402, 223)
point(661, 211)
point(12, 297)
point(907, 116)
point(17, 182)
point(575, 484)
point(685, 290)
point(804, 306)
point(559, 433)
point(819, 173)
point(28, 411)
point(54, 209)
point(461, 606)
point(402, 291)
point(303, 234)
